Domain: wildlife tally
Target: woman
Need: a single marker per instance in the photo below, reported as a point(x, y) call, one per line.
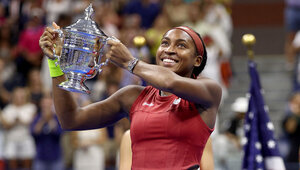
point(47, 133)
point(88, 144)
point(19, 147)
point(171, 120)
point(206, 163)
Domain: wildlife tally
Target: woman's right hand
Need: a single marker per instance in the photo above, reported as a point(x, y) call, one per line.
point(48, 40)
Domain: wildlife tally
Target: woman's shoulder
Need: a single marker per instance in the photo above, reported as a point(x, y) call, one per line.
point(209, 82)
point(212, 86)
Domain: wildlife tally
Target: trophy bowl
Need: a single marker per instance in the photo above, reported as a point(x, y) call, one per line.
point(79, 52)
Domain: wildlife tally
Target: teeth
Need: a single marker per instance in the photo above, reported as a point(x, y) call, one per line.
point(168, 60)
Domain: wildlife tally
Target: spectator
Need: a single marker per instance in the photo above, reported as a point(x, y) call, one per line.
point(47, 134)
point(4, 93)
point(5, 42)
point(68, 150)
point(296, 50)
point(155, 34)
point(30, 54)
point(9, 77)
point(215, 14)
point(88, 151)
point(2, 15)
point(54, 8)
point(17, 116)
point(291, 126)
point(216, 57)
point(176, 11)
point(227, 145)
point(292, 24)
point(218, 47)
point(148, 10)
point(35, 86)
point(107, 19)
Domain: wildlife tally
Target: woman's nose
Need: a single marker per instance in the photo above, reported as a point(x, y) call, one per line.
point(170, 49)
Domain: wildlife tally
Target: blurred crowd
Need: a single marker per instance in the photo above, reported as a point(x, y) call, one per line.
point(30, 135)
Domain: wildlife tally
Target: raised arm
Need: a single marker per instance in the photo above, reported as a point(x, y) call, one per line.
point(95, 115)
point(202, 91)
point(100, 114)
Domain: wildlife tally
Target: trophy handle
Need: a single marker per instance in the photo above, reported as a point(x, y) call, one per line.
point(60, 36)
point(98, 66)
point(101, 50)
point(92, 73)
point(102, 64)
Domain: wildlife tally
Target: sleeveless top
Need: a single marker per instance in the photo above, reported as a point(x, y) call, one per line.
point(167, 132)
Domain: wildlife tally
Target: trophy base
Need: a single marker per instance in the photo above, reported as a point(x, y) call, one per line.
point(75, 83)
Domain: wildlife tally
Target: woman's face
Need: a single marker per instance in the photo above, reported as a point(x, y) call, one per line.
point(20, 96)
point(177, 52)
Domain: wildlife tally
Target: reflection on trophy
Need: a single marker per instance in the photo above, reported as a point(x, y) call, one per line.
point(79, 52)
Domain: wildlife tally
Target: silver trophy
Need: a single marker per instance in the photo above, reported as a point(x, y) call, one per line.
point(79, 51)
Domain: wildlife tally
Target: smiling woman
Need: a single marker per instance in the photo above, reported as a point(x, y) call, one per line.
point(183, 43)
point(171, 119)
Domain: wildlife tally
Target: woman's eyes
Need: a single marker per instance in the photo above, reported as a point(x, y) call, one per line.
point(180, 45)
point(164, 43)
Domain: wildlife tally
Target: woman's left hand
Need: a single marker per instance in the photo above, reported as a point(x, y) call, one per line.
point(118, 53)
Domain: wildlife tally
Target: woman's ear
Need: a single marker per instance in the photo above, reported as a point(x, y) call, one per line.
point(198, 60)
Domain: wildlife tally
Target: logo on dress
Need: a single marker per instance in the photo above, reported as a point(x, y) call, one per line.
point(177, 101)
point(148, 104)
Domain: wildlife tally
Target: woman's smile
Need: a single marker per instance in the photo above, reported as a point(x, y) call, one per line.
point(168, 61)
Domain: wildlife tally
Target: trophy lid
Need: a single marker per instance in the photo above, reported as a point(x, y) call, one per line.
point(86, 24)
